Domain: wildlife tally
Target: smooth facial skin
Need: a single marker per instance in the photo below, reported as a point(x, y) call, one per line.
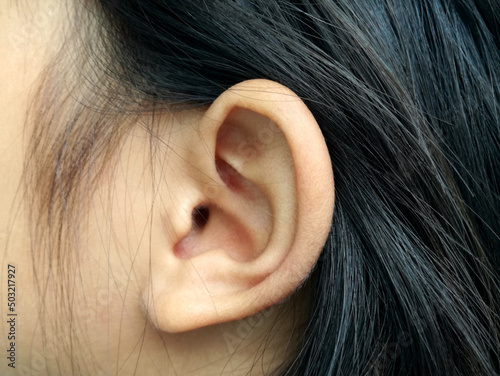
point(193, 238)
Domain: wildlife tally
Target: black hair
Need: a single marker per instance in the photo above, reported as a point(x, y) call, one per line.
point(407, 96)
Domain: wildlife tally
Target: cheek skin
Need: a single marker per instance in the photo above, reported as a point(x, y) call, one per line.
point(118, 245)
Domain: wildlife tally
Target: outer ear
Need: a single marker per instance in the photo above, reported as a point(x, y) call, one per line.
point(253, 212)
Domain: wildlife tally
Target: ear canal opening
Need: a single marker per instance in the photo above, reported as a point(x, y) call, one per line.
point(200, 216)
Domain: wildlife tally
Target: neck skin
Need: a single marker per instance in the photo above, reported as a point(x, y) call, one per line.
point(121, 339)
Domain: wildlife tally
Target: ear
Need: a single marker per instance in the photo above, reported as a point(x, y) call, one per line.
point(251, 214)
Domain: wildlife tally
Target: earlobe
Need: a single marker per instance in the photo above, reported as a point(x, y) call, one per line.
point(252, 240)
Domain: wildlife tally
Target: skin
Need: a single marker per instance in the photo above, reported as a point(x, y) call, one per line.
point(126, 224)
point(24, 53)
point(25, 50)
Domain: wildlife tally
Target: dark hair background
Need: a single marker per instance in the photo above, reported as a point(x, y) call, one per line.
point(407, 96)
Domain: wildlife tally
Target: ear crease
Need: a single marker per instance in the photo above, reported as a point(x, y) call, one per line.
point(229, 175)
